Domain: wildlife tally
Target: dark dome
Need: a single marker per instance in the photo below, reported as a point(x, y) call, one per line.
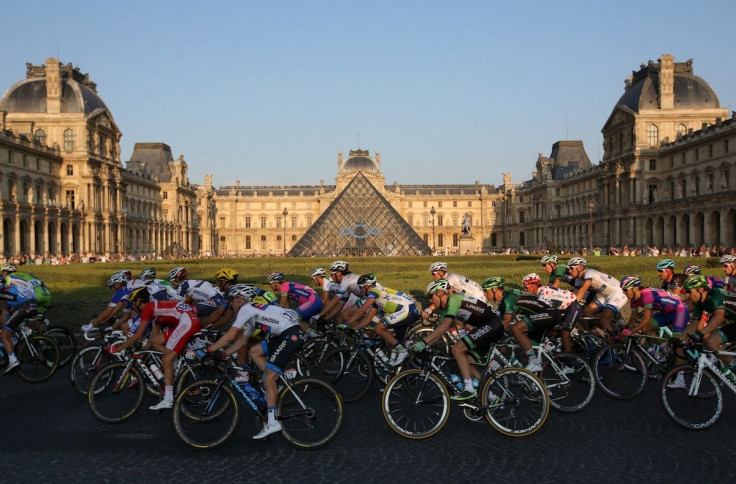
point(690, 92)
point(359, 163)
point(29, 96)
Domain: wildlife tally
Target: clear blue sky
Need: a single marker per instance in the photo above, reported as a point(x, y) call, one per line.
point(448, 92)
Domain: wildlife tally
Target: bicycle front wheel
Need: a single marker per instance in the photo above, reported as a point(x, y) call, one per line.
point(349, 371)
point(570, 382)
point(310, 412)
point(416, 405)
point(66, 342)
point(695, 403)
point(206, 414)
point(618, 373)
point(38, 357)
point(116, 393)
point(85, 366)
point(516, 402)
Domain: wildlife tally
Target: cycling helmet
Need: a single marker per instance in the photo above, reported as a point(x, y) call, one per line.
point(243, 290)
point(9, 267)
point(148, 274)
point(438, 285)
point(532, 278)
point(666, 264)
point(438, 266)
point(367, 280)
point(549, 258)
point(696, 282)
point(139, 293)
point(492, 282)
point(339, 266)
point(577, 261)
point(726, 259)
point(692, 270)
point(178, 273)
point(227, 275)
point(118, 277)
point(275, 277)
point(630, 282)
point(318, 272)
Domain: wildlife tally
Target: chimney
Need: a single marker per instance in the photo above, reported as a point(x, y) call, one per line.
point(53, 86)
point(339, 161)
point(666, 82)
point(378, 160)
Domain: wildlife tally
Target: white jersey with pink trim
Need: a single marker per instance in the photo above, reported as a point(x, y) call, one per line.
point(557, 298)
point(348, 286)
point(601, 283)
point(269, 318)
point(463, 285)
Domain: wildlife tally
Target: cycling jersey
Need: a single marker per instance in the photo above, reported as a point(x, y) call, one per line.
point(157, 288)
point(561, 272)
point(307, 299)
point(270, 319)
point(511, 298)
point(602, 283)
point(669, 309)
point(348, 286)
point(165, 313)
point(676, 284)
point(41, 293)
point(463, 285)
point(556, 298)
point(199, 291)
point(714, 300)
point(118, 296)
point(395, 307)
point(729, 283)
point(469, 310)
point(328, 285)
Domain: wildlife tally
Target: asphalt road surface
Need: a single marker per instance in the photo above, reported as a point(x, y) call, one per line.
point(50, 435)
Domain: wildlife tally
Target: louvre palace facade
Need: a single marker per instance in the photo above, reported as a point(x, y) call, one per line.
point(665, 179)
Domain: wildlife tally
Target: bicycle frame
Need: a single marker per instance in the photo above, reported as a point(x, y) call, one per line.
point(703, 362)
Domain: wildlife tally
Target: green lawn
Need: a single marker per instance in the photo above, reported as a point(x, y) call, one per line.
point(80, 289)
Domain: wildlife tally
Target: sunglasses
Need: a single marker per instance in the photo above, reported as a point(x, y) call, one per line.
point(661, 270)
point(726, 265)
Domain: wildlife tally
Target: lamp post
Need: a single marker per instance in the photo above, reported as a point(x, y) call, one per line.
point(432, 213)
point(285, 213)
point(590, 228)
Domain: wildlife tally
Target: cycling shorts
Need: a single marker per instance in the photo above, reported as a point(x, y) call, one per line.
point(177, 338)
point(278, 349)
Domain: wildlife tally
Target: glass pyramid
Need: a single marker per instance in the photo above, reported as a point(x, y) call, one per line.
point(360, 222)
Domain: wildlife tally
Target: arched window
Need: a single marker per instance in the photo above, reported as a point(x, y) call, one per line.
point(681, 129)
point(40, 136)
point(69, 140)
point(263, 242)
point(653, 135)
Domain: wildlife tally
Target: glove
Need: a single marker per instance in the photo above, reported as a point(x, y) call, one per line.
point(581, 304)
point(696, 336)
point(220, 354)
point(426, 313)
point(627, 332)
point(419, 346)
point(87, 327)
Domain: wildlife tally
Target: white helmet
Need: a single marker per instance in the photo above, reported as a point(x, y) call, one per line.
point(577, 261)
point(438, 266)
point(339, 266)
point(549, 258)
point(118, 277)
point(247, 291)
point(728, 259)
point(318, 272)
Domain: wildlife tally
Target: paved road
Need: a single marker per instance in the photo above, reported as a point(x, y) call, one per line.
point(49, 435)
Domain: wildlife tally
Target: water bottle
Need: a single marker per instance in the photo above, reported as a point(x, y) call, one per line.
point(254, 394)
point(728, 374)
point(457, 381)
point(157, 371)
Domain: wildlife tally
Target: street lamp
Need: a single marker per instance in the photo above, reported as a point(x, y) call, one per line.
point(590, 228)
point(285, 213)
point(432, 213)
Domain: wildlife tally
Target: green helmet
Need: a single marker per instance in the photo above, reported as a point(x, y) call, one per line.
point(696, 282)
point(666, 264)
point(438, 285)
point(492, 282)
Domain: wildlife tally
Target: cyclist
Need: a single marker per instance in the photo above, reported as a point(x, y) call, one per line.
point(347, 293)
point(507, 298)
point(558, 274)
point(21, 295)
point(713, 281)
point(284, 338)
point(552, 306)
point(118, 284)
point(308, 302)
point(671, 282)
point(320, 279)
point(728, 264)
point(390, 310)
point(7, 268)
point(459, 284)
point(609, 297)
point(658, 306)
point(207, 299)
point(158, 288)
point(172, 325)
point(224, 280)
point(462, 309)
point(137, 331)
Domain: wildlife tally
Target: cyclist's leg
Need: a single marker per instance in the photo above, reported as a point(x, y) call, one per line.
point(20, 311)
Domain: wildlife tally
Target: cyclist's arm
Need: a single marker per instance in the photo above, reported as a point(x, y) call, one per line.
point(646, 320)
point(366, 320)
point(223, 320)
point(214, 317)
point(507, 320)
point(109, 312)
point(284, 302)
point(580, 294)
point(121, 320)
point(241, 342)
point(362, 310)
point(225, 339)
point(435, 335)
point(137, 336)
point(715, 321)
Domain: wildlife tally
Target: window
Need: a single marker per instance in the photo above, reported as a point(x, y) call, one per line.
point(426, 239)
point(494, 242)
point(40, 136)
point(439, 221)
point(247, 242)
point(441, 240)
point(454, 203)
point(222, 238)
point(493, 203)
point(521, 238)
point(672, 190)
point(263, 222)
point(697, 154)
point(166, 194)
point(682, 158)
point(455, 240)
point(725, 146)
point(411, 219)
point(681, 129)
point(558, 210)
point(521, 218)
point(710, 151)
point(439, 204)
point(470, 203)
point(410, 203)
point(697, 185)
point(653, 135)
point(263, 242)
point(69, 140)
point(70, 198)
point(425, 219)
point(652, 165)
point(309, 220)
point(293, 221)
point(247, 222)
point(652, 191)
point(278, 223)
point(425, 204)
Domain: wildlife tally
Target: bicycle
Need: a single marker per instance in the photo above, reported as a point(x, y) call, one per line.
point(63, 337)
point(206, 413)
point(623, 369)
point(91, 359)
point(698, 404)
point(416, 402)
point(38, 355)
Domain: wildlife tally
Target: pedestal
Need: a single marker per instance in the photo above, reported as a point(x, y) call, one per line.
point(466, 244)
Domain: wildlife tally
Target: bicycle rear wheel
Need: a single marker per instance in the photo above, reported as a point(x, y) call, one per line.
point(518, 404)
point(206, 414)
point(85, 366)
point(66, 342)
point(618, 373)
point(698, 411)
point(116, 393)
point(415, 405)
point(349, 371)
point(38, 357)
point(570, 382)
point(310, 412)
